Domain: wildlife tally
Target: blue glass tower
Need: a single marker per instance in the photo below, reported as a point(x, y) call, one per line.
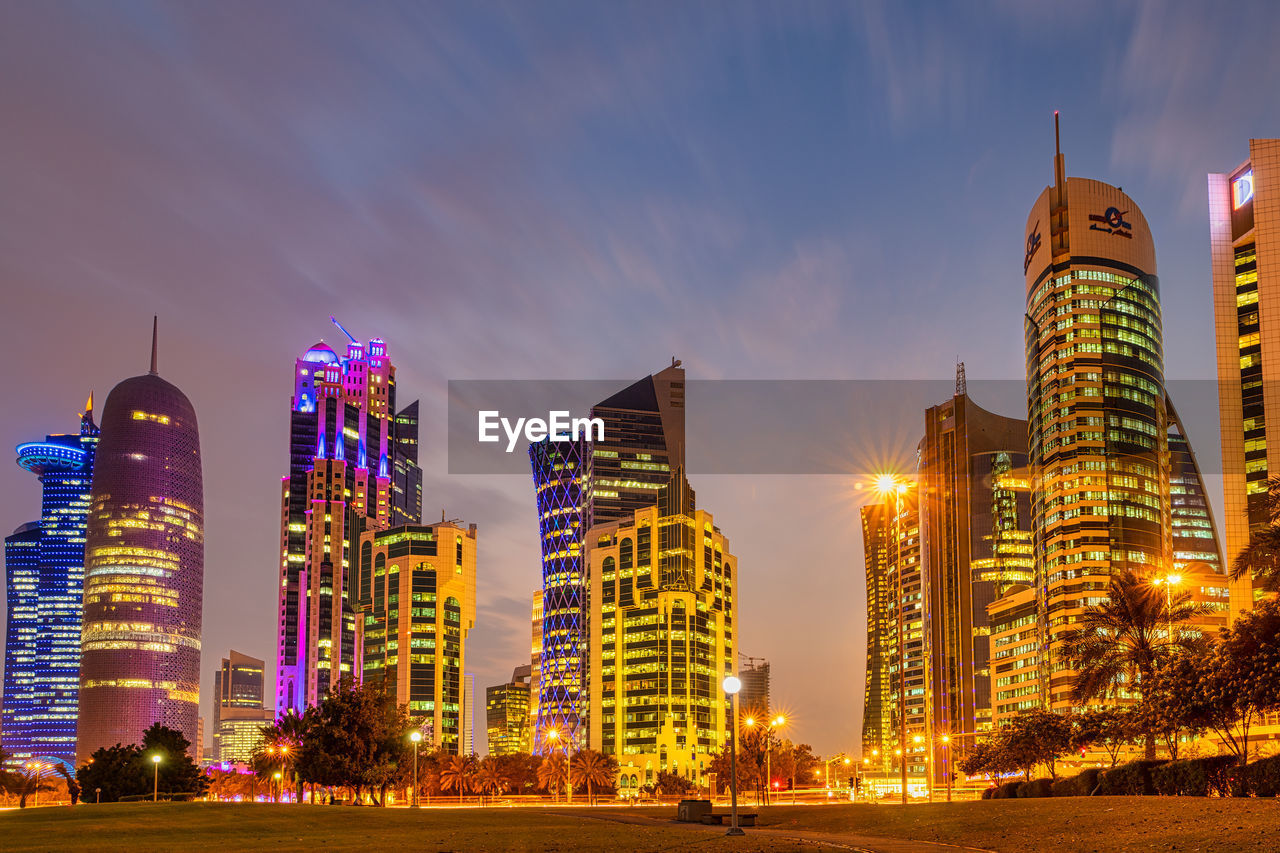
point(44, 581)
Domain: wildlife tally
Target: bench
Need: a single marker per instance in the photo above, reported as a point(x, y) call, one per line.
point(747, 819)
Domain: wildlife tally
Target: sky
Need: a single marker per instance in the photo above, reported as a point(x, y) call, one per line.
point(581, 191)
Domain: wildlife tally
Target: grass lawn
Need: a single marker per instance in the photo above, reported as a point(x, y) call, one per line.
point(1078, 824)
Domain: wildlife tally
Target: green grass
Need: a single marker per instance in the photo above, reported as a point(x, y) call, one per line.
point(1084, 824)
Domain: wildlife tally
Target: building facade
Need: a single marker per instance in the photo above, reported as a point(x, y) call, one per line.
point(44, 582)
point(576, 485)
point(417, 598)
point(507, 714)
point(144, 568)
point(1244, 237)
point(239, 693)
point(975, 535)
point(754, 695)
point(352, 468)
point(663, 637)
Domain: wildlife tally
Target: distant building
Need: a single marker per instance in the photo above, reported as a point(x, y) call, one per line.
point(754, 695)
point(417, 598)
point(1244, 241)
point(583, 483)
point(352, 468)
point(44, 580)
point(469, 714)
point(507, 714)
point(144, 568)
point(535, 664)
point(663, 637)
point(238, 708)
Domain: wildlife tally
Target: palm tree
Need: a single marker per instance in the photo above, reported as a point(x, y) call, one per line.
point(593, 768)
point(551, 775)
point(490, 779)
point(457, 774)
point(1261, 557)
point(1118, 643)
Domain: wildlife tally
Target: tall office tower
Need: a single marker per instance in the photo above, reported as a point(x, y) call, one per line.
point(44, 581)
point(578, 484)
point(754, 695)
point(507, 713)
point(469, 714)
point(1244, 235)
point(144, 568)
point(417, 592)
point(895, 633)
point(663, 637)
point(352, 468)
point(1015, 653)
point(966, 453)
point(1099, 418)
point(535, 664)
point(239, 691)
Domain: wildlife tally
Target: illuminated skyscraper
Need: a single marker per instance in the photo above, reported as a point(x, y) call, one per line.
point(662, 638)
point(44, 563)
point(144, 568)
point(1244, 234)
point(239, 689)
point(417, 595)
point(1099, 418)
point(976, 537)
point(507, 714)
point(352, 468)
point(578, 484)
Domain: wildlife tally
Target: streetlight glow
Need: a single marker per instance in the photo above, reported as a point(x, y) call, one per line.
point(731, 684)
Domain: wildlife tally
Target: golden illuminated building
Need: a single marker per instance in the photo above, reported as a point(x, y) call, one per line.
point(662, 638)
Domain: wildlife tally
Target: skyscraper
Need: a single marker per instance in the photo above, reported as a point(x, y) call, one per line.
point(507, 714)
point(1244, 236)
point(44, 564)
point(417, 597)
point(144, 568)
point(1099, 418)
point(239, 688)
point(754, 695)
point(576, 485)
point(971, 533)
point(352, 468)
point(663, 635)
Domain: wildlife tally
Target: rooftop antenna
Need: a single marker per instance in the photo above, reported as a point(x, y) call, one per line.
point(155, 325)
point(350, 337)
point(962, 386)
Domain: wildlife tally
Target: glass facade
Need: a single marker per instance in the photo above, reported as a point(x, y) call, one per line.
point(507, 714)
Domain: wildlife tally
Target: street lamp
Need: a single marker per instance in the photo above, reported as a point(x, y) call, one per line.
point(155, 789)
point(946, 751)
point(35, 767)
point(732, 685)
point(278, 777)
point(416, 737)
point(554, 735)
point(1168, 581)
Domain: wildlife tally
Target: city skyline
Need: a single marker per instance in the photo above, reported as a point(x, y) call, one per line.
point(806, 234)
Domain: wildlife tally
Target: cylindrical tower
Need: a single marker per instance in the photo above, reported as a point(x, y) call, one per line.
point(144, 569)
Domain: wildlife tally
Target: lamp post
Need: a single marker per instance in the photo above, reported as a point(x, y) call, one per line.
point(732, 685)
point(278, 776)
point(35, 767)
point(554, 735)
point(416, 737)
point(1168, 581)
point(155, 786)
point(946, 751)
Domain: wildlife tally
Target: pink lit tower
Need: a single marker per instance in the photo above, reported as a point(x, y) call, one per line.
point(144, 568)
point(353, 466)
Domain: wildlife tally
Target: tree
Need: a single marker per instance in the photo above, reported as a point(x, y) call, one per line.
point(520, 770)
point(457, 774)
point(1260, 558)
point(721, 765)
point(73, 788)
point(672, 784)
point(490, 778)
point(593, 769)
point(1110, 728)
point(1036, 737)
point(178, 773)
point(117, 770)
point(1119, 642)
point(551, 774)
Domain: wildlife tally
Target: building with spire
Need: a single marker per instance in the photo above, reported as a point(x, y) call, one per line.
point(579, 484)
point(143, 569)
point(352, 469)
point(44, 583)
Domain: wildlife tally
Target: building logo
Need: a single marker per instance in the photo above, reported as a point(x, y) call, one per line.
point(1242, 190)
point(1111, 222)
point(1033, 243)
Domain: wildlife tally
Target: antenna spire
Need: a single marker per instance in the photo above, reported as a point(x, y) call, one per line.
point(155, 325)
point(962, 385)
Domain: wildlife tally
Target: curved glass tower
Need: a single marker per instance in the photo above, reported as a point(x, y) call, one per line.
point(144, 568)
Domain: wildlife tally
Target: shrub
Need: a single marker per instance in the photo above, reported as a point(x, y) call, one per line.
point(1132, 779)
point(1007, 791)
point(1088, 780)
point(1264, 777)
point(987, 792)
point(1035, 789)
point(1077, 786)
point(1197, 777)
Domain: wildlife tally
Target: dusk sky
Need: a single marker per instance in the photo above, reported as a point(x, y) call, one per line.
point(581, 191)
